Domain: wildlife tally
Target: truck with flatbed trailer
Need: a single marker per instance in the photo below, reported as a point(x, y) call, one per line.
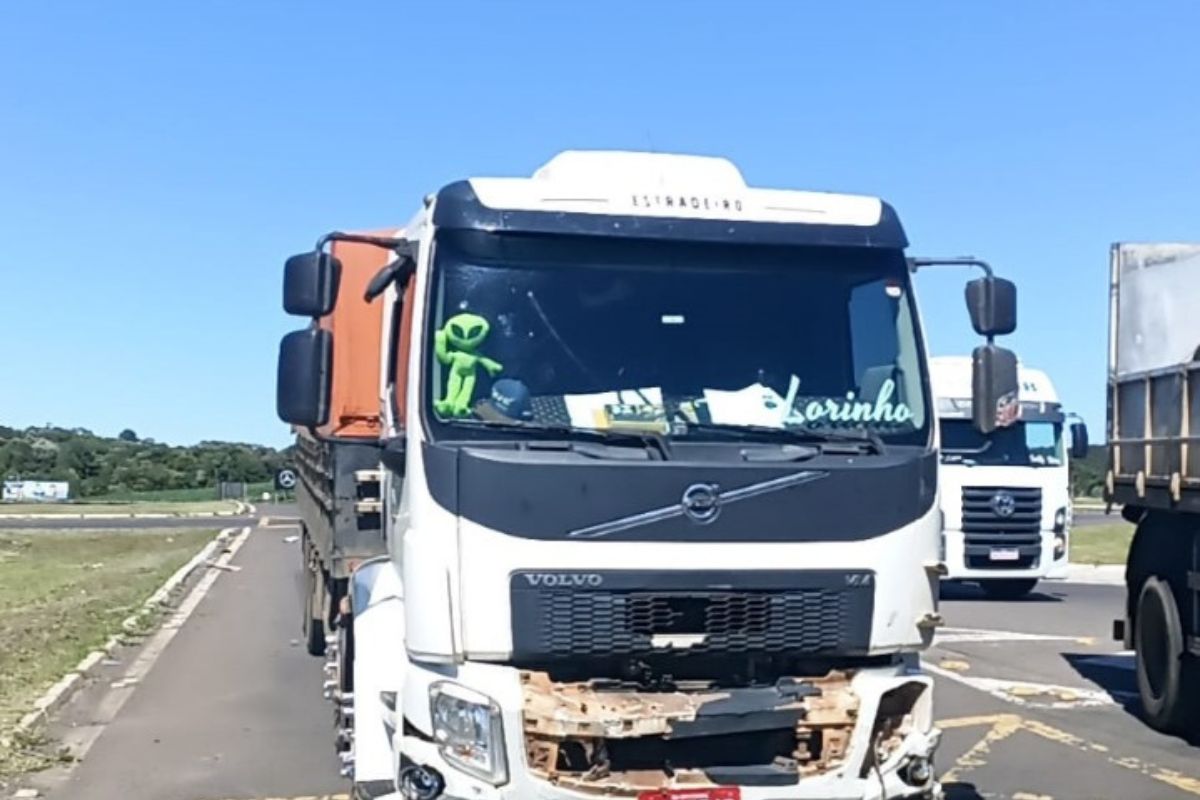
point(1154, 469)
point(658, 480)
point(337, 463)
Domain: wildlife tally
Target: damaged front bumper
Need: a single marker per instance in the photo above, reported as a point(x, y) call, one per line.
point(861, 734)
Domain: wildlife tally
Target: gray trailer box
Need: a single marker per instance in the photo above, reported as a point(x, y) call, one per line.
point(1154, 377)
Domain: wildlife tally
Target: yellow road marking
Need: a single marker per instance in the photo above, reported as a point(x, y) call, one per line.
point(1002, 727)
point(971, 722)
point(1170, 777)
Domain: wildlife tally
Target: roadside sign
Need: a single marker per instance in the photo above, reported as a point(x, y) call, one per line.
point(285, 480)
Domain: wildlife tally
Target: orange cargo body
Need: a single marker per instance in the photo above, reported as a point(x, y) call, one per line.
point(355, 324)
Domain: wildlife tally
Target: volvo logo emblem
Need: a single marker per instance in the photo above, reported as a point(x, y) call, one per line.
point(701, 502)
point(568, 580)
point(1003, 504)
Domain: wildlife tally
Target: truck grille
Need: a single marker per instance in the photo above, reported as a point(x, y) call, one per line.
point(985, 528)
point(820, 612)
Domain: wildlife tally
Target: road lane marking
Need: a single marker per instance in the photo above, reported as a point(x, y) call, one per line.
point(1178, 780)
point(971, 722)
point(953, 635)
point(1002, 727)
point(1033, 695)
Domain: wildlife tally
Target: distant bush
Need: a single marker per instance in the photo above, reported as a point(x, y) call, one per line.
point(1087, 475)
point(126, 468)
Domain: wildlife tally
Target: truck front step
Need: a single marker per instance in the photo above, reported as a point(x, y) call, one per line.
point(368, 506)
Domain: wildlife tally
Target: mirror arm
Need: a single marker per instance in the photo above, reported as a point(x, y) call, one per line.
point(402, 247)
point(915, 264)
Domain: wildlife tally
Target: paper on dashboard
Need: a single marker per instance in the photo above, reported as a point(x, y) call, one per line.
point(755, 405)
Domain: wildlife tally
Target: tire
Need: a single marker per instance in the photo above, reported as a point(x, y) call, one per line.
point(1008, 588)
point(312, 621)
point(1167, 678)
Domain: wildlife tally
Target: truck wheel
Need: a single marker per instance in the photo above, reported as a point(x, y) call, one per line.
point(313, 623)
point(1166, 678)
point(1008, 588)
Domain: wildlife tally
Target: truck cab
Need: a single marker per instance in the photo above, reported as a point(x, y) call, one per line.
point(659, 490)
point(1005, 496)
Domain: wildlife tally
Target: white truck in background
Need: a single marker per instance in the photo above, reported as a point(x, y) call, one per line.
point(1006, 495)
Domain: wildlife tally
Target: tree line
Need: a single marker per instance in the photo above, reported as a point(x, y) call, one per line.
point(1087, 475)
point(98, 465)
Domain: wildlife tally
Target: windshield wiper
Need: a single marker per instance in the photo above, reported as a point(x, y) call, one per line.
point(655, 442)
point(768, 433)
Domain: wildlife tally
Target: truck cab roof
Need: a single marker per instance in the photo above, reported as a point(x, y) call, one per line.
point(662, 195)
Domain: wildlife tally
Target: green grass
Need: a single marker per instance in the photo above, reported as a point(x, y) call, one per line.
point(63, 594)
point(253, 490)
point(1101, 544)
point(203, 506)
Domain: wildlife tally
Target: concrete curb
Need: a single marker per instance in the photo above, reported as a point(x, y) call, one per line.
point(1096, 574)
point(57, 695)
point(178, 515)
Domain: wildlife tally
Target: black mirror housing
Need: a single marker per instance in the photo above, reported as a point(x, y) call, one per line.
point(1079, 440)
point(304, 377)
point(310, 284)
point(994, 388)
point(992, 303)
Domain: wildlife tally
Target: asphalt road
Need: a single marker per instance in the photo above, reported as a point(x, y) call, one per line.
point(231, 709)
point(1034, 699)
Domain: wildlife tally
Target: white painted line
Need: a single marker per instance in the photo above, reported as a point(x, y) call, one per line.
point(953, 635)
point(1029, 694)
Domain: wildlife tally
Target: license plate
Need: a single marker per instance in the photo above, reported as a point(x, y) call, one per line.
point(1004, 554)
point(711, 793)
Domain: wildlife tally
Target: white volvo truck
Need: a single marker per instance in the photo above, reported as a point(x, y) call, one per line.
point(660, 490)
point(1006, 495)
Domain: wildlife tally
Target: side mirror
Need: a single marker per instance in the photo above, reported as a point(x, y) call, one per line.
point(992, 303)
point(1079, 440)
point(310, 284)
point(397, 271)
point(303, 380)
point(994, 388)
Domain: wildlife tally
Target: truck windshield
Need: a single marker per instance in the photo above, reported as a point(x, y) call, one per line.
point(620, 334)
point(1024, 444)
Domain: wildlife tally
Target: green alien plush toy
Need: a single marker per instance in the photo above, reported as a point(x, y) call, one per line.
point(455, 345)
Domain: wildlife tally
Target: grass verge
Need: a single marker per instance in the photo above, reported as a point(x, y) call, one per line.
point(1101, 544)
point(62, 595)
point(95, 507)
point(253, 490)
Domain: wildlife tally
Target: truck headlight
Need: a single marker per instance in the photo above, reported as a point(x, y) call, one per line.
point(467, 728)
point(1060, 520)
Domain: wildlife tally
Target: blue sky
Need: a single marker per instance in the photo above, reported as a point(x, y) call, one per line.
point(159, 160)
